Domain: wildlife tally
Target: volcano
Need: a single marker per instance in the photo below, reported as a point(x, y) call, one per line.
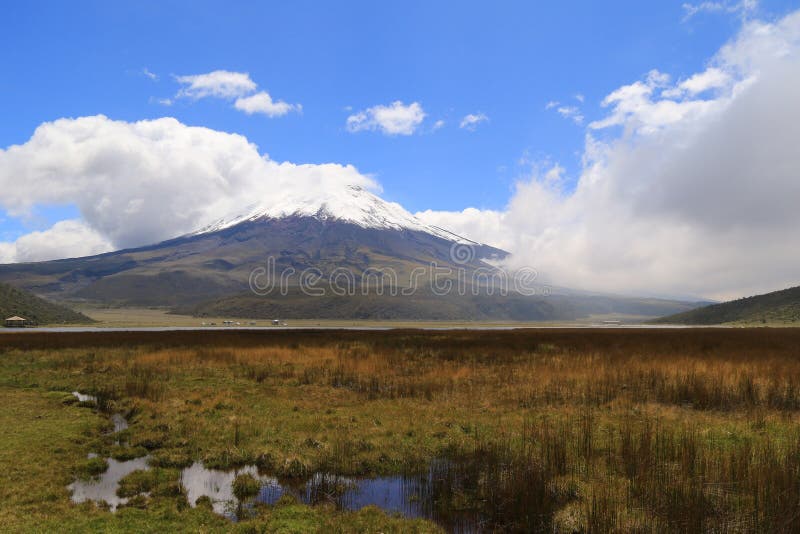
point(350, 254)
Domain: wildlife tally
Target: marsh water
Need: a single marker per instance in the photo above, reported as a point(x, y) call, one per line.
point(104, 487)
point(82, 397)
point(413, 496)
point(394, 494)
point(410, 496)
point(405, 495)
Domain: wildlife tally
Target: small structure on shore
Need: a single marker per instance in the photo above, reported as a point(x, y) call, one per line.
point(16, 322)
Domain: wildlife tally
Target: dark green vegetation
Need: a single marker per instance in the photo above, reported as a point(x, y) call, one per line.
point(424, 305)
point(209, 274)
point(551, 430)
point(771, 308)
point(15, 301)
point(245, 486)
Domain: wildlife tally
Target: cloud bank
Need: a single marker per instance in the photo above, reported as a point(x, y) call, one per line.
point(687, 188)
point(142, 182)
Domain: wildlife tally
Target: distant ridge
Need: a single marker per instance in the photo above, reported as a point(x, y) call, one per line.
point(776, 307)
point(36, 310)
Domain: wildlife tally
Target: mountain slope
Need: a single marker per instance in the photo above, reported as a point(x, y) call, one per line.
point(424, 305)
point(351, 236)
point(14, 301)
point(776, 307)
point(354, 230)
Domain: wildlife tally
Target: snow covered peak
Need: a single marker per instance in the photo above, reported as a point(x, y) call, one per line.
point(352, 204)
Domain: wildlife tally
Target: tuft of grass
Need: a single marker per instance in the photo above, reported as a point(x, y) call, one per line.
point(123, 454)
point(91, 467)
point(245, 486)
point(157, 482)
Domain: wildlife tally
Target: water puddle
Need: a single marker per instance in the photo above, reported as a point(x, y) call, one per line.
point(399, 494)
point(120, 423)
point(393, 494)
point(440, 494)
point(104, 487)
point(83, 397)
point(217, 485)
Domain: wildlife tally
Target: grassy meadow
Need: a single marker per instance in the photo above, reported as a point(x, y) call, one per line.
point(557, 430)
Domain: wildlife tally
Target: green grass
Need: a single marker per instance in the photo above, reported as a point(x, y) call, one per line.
point(14, 301)
point(776, 308)
point(42, 442)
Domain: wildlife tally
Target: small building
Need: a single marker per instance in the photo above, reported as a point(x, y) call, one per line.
point(16, 322)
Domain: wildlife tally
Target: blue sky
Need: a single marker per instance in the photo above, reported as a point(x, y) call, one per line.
point(506, 60)
point(536, 74)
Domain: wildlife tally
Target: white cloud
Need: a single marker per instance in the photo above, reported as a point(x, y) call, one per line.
point(634, 107)
point(438, 124)
point(471, 121)
point(579, 97)
point(219, 84)
point(571, 112)
point(394, 119)
point(232, 85)
point(711, 78)
point(70, 237)
point(143, 182)
point(744, 8)
point(262, 103)
point(149, 74)
point(690, 197)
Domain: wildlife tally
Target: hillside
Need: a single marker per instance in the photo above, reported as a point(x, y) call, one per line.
point(777, 307)
point(15, 301)
point(424, 305)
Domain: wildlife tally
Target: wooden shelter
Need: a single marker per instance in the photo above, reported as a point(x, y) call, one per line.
point(16, 322)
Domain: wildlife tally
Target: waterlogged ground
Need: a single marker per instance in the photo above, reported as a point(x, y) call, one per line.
point(407, 496)
point(627, 431)
point(43, 443)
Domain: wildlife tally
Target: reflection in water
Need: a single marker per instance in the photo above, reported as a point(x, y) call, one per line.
point(83, 397)
point(393, 494)
point(218, 486)
point(104, 488)
point(410, 496)
point(120, 423)
point(468, 495)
